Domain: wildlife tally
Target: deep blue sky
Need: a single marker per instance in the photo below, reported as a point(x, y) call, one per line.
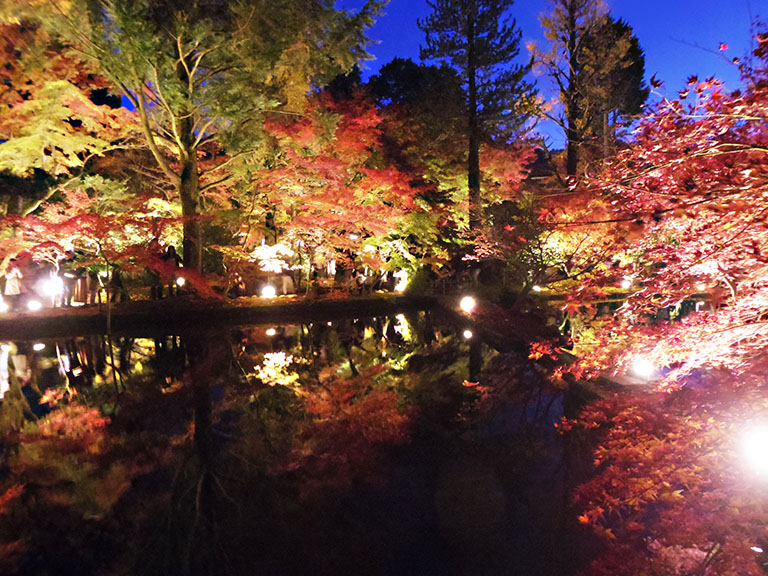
point(680, 37)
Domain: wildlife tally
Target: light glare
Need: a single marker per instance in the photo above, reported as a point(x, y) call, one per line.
point(268, 291)
point(754, 448)
point(180, 281)
point(643, 368)
point(38, 347)
point(467, 304)
point(271, 332)
point(34, 305)
point(468, 334)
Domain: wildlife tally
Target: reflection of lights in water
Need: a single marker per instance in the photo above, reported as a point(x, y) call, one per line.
point(467, 304)
point(34, 305)
point(467, 334)
point(642, 367)
point(271, 331)
point(268, 291)
point(754, 447)
point(38, 347)
point(180, 281)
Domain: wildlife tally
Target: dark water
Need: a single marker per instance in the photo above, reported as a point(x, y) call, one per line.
point(384, 446)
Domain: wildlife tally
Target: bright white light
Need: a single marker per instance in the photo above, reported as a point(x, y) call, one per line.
point(643, 368)
point(402, 280)
point(5, 347)
point(180, 281)
point(701, 287)
point(467, 304)
point(268, 291)
point(353, 236)
point(467, 334)
point(53, 286)
point(3, 306)
point(329, 323)
point(34, 305)
point(626, 282)
point(271, 332)
point(756, 549)
point(754, 447)
point(39, 346)
point(536, 288)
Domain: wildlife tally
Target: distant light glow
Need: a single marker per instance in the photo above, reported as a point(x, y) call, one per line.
point(271, 332)
point(180, 281)
point(754, 447)
point(268, 291)
point(467, 304)
point(467, 334)
point(643, 368)
point(756, 549)
point(53, 286)
point(536, 288)
point(4, 306)
point(701, 287)
point(402, 280)
point(626, 282)
point(34, 305)
point(38, 347)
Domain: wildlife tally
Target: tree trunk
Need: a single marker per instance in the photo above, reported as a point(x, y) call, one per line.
point(189, 193)
point(473, 160)
point(571, 98)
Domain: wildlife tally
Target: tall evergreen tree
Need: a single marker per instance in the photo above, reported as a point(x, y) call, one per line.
point(597, 66)
point(481, 42)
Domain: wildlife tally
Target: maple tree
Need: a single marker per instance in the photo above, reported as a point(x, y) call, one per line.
point(673, 491)
point(185, 68)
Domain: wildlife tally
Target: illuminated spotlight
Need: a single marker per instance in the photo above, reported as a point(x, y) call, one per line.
point(756, 549)
point(180, 281)
point(536, 288)
point(4, 306)
point(626, 282)
point(467, 304)
point(38, 347)
point(53, 286)
point(268, 291)
point(467, 334)
point(271, 332)
point(34, 305)
point(643, 368)
point(754, 443)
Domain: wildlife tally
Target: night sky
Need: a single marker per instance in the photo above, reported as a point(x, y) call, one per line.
point(680, 37)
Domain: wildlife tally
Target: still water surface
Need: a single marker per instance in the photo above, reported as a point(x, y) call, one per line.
point(392, 445)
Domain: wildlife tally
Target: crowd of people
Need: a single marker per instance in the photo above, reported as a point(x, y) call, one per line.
point(72, 282)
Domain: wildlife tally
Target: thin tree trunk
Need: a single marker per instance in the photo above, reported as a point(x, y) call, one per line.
point(473, 160)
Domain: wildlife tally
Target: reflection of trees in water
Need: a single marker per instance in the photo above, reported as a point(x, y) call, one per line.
point(218, 470)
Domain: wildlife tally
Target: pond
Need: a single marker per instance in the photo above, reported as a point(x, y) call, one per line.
point(391, 445)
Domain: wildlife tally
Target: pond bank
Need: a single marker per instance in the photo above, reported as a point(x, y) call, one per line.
point(185, 314)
